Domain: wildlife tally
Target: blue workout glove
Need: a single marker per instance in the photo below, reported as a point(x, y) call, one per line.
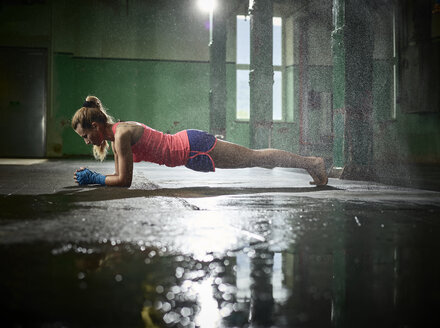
point(89, 177)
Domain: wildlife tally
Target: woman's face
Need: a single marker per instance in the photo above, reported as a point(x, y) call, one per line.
point(91, 136)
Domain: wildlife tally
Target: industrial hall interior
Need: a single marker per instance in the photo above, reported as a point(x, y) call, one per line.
point(269, 163)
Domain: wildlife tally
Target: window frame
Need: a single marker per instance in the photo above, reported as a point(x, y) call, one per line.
point(276, 68)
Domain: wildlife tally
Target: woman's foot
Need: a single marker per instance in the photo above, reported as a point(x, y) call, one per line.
point(317, 172)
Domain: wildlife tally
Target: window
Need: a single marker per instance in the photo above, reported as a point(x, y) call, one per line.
point(278, 70)
point(243, 62)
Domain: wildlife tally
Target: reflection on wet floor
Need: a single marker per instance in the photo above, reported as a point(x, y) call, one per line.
point(337, 264)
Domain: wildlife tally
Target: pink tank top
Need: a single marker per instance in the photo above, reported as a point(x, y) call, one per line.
point(157, 147)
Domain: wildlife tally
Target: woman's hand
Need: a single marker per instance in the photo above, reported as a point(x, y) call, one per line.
point(84, 176)
point(82, 168)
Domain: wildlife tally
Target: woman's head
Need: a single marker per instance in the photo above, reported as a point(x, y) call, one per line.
point(92, 111)
point(90, 122)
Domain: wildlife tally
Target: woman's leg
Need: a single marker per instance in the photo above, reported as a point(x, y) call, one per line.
point(228, 155)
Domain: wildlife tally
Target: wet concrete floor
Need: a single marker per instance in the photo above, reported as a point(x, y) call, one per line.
point(235, 248)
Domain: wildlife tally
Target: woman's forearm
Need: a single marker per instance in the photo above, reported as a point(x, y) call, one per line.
point(117, 181)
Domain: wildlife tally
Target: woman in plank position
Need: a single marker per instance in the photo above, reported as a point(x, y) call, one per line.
point(197, 150)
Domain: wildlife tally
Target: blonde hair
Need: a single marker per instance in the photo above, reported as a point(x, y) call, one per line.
point(93, 111)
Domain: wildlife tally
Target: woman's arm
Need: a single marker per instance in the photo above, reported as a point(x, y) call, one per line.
point(115, 156)
point(116, 160)
point(123, 161)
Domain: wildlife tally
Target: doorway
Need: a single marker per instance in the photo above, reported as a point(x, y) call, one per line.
point(23, 74)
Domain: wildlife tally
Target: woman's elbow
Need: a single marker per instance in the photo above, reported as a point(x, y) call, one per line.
point(124, 182)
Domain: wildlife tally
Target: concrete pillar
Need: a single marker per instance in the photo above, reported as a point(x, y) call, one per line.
point(338, 50)
point(302, 31)
point(217, 60)
point(352, 46)
point(261, 74)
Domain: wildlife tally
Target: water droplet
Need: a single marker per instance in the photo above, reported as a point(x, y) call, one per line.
point(184, 321)
point(208, 258)
point(186, 311)
point(171, 317)
point(175, 289)
point(219, 269)
point(118, 278)
point(226, 310)
point(179, 272)
point(227, 297)
point(251, 253)
point(222, 287)
point(166, 306)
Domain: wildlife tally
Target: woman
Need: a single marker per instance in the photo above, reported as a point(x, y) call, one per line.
point(197, 150)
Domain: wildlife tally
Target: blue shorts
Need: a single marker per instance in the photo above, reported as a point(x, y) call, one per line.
point(201, 143)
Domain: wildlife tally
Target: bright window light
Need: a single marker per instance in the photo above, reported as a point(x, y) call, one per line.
point(243, 68)
point(277, 21)
point(277, 104)
point(207, 5)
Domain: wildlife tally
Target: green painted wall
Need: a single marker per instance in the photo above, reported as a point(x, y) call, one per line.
point(168, 96)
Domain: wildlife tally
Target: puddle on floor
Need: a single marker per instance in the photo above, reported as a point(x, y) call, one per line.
point(335, 264)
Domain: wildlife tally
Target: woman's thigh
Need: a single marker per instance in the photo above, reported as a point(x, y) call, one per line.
point(228, 155)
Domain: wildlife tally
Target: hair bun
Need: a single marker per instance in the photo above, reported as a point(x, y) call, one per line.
point(94, 100)
point(90, 104)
